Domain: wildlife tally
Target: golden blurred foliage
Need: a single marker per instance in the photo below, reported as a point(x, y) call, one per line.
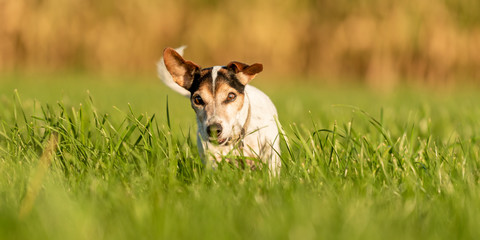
point(374, 40)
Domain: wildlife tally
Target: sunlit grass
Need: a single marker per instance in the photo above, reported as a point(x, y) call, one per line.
point(359, 165)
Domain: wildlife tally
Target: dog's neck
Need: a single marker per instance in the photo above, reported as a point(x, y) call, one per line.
point(246, 107)
point(244, 116)
point(247, 122)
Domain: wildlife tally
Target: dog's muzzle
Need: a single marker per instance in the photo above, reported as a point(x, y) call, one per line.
point(214, 131)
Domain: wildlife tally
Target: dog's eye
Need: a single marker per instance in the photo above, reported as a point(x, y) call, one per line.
point(231, 97)
point(198, 100)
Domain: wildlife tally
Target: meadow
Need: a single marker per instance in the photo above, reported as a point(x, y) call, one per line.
point(383, 138)
point(90, 157)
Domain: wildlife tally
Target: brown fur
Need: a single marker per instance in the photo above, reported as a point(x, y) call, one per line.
point(245, 73)
point(236, 122)
point(182, 71)
point(215, 106)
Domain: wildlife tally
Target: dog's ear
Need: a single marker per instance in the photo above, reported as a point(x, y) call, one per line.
point(182, 71)
point(245, 73)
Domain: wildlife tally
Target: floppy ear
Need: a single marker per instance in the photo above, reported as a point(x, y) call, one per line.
point(182, 71)
point(245, 73)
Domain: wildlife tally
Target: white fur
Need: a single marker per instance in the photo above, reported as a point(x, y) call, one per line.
point(262, 137)
point(262, 129)
point(214, 76)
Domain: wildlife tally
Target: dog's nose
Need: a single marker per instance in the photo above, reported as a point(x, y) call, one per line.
point(214, 130)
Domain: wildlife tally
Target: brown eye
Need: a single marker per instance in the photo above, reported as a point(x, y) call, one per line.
point(231, 97)
point(198, 100)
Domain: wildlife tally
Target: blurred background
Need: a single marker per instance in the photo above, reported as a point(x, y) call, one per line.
point(377, 42)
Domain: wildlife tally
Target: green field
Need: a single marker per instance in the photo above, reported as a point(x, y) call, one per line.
point(90, 157)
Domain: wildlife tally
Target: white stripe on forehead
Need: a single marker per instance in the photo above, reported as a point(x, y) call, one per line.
point(215, 70)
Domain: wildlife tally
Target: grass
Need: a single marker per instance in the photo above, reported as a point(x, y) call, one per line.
point(107, 163)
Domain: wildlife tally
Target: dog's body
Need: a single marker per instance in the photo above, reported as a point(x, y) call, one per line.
point(234, 119)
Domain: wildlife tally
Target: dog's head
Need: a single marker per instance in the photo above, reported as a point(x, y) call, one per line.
point(217, 94)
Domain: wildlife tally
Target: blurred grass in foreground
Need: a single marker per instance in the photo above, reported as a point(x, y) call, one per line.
point(361, 166)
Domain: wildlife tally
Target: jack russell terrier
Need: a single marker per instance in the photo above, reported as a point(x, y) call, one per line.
point(236, 122)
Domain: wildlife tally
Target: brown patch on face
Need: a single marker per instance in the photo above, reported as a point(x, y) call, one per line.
point(218, 101)
point(222, 71)
point(206, 108)
point(225, 109)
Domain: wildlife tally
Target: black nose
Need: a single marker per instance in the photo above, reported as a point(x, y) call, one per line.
point(214, 130)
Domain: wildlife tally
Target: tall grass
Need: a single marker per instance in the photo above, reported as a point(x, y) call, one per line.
point(384, 42)
point(360, 166)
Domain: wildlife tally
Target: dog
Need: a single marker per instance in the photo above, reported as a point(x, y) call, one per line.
point(236, 121)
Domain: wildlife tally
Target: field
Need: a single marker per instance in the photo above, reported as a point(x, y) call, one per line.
point(90, 157)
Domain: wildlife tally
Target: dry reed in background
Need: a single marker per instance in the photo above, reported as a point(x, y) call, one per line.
point(377, 41)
